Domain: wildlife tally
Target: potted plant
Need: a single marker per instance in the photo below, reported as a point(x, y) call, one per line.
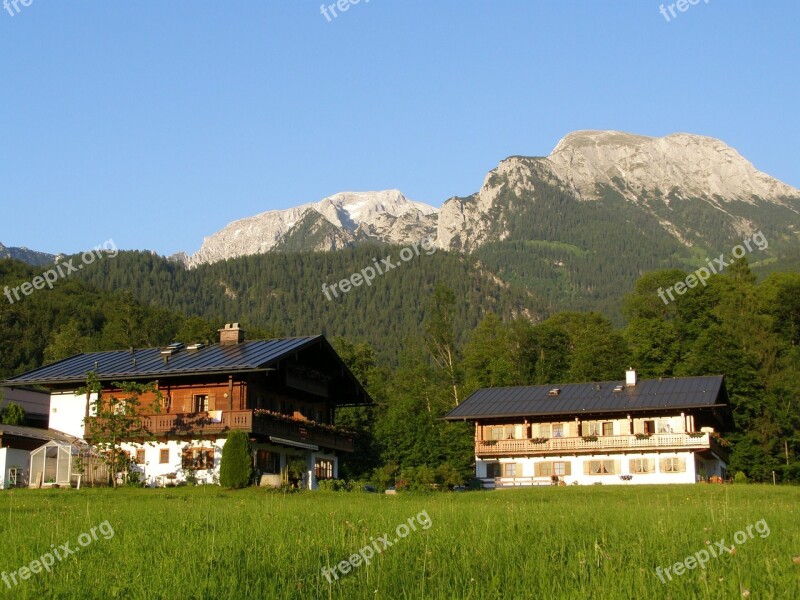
point(589, 438)
point(643, 436)
point(539, 440)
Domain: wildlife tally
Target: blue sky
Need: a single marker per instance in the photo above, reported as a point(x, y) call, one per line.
point(156, 123)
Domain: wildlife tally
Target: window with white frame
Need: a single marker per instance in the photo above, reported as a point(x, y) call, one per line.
point(673, 465)
point(550, 468)
point(600, 467)
point(642, 466)
point(592, 428)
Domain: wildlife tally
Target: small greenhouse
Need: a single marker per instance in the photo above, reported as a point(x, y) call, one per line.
point(58, 464)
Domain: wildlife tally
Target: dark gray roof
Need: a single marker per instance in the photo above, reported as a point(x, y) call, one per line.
point(36, 433)
point(586, 398)
point(150, 363)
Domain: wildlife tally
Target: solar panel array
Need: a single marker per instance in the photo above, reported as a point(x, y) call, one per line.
point(597, 397)
point(149, 362)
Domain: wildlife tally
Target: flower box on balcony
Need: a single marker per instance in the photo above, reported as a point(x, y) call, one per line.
point(589, 438)
point(491, 442)
point(270, 415)
point(540, 440)
point(696, 434)
point(643, 436)
point(720, 440)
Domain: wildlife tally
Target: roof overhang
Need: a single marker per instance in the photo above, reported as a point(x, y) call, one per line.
point(647, 409)
point(292, 443)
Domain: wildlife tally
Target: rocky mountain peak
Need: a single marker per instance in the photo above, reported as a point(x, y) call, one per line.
point(329, 224)
point(694, 165)
point(651, 173)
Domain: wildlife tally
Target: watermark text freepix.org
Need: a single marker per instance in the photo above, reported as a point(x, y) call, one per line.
point(714, 266)
point(47, 560)
point(367, 274)
point(681, 5)
point(366, 553)
point(342, 5)
point(7, 4)
point(60, 270)
point(701, 557)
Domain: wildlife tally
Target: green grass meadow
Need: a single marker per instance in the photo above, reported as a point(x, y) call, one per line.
point(576, 542)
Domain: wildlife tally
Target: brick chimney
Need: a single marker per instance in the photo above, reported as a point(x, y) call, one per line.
point(231, 334)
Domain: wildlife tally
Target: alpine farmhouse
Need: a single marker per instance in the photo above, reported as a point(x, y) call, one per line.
point(283, 392)
point(610, 432)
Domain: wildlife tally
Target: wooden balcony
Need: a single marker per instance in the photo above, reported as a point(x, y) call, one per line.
point(300, 432)
point(197, 424)
point(604, 444)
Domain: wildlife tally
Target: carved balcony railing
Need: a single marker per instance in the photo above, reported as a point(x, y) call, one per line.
point(219, 422)
point(597, 444)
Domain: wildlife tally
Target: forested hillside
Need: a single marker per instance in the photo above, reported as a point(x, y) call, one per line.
point(282, 292)
point(74, 317)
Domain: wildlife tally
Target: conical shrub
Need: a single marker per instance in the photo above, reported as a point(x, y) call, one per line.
point(236, 466)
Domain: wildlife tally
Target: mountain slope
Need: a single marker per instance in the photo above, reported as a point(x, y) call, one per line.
point(676, 179)
point(635, 165)
point(333, 223)
point(31, 257)
point(701, 192)
point(282, 293)
point(576, 228)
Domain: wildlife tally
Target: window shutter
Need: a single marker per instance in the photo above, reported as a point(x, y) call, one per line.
point(586, 467)
point(212, 402)
point(662, 465)
point(682, 465)
point(518, 472)
point(537, 469)
point(617, 467)
point(568, 467)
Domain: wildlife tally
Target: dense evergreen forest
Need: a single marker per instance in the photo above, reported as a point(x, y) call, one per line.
point(282, 292)
point(452, 328)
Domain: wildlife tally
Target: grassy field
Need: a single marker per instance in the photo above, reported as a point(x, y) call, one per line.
point(574, 542)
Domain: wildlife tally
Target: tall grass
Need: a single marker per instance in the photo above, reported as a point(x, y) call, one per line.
point(576, 542)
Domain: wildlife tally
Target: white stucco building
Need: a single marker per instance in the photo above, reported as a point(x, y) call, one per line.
point(615, 432)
